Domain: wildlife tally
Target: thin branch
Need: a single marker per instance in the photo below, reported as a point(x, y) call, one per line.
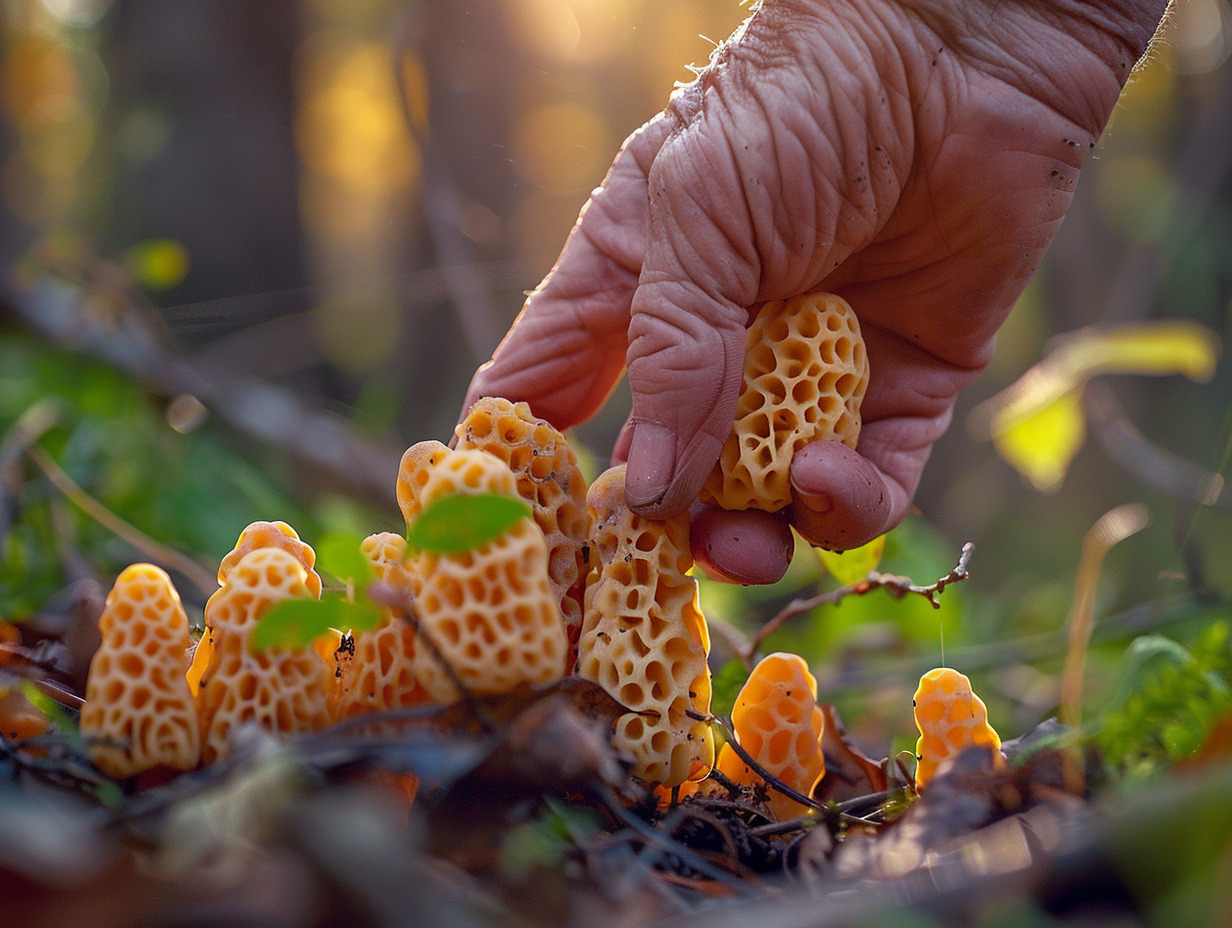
point(206, 581)
point(895, 585)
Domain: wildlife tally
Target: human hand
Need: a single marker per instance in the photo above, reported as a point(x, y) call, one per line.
point(913, 156)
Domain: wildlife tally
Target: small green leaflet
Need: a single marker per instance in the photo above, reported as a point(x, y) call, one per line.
point(296, 623)
point(339, 554)
point(461, 522)
point(848, 567)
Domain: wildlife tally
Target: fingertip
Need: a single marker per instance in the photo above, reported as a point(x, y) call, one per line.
point(651, 455)
point(749, 547)
point(840, 499)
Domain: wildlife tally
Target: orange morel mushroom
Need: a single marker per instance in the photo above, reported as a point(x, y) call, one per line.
point(549, 478)
point(951, 719)
point(380, 674)
point(644, 638)
point(283, 689)
point(413, 472)
point(805, 374)
point(778, 722)
point(139, 713)
point(488, 617)
point(257, 535)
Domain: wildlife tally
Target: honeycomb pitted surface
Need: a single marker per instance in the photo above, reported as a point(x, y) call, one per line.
point(272, 535)
point(417, 463)
point(644, 638)
point(778, 722)
point(805, 374)
point(549, 478)
point(951, 719)
point(490, 611)
point(380, 674)
point(137, 700)
point(285, 690)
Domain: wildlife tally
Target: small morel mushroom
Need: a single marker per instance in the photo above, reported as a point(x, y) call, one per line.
point(778, 722)
point(273, 535)
point(549, 478)
point(805, 374)
point(413, 472)
point(488, 613)
point(951, 719)
point(285, 690)
point(139, 713)
point(257, 535)
point(380, 674)
point(644, 638)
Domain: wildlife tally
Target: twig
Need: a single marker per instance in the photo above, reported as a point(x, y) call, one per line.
point(895, 585)
point(206, 581)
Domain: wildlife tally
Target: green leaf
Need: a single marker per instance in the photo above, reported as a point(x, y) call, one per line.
point(339, 554)
point(296, 623)
point(852, 566)
point(461, 522)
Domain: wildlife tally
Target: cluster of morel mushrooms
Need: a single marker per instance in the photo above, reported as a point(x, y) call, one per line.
point(583, 586)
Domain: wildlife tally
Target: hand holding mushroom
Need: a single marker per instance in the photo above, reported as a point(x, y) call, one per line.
point(914, 158)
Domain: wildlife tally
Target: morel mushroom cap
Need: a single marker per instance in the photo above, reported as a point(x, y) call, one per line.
point(283, 689)
point(644, 638)
point(489, 615)
point(380, 674)
point(139, 712)
point(413, 472)
point(951, 719)
point(805, 374)
point(549, 478)
point(778, 722)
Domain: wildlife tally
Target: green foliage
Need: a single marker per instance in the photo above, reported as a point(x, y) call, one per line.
point(296, 623)
point(545, 841)
point(1166, 701)
point(725, 686)
point(460, 522)
point(190, 491)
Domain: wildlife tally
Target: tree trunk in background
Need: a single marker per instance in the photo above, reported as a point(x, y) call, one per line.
point(216, 77)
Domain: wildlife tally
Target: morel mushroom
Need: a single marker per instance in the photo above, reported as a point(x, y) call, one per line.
point(805, 374)
point(778, 723)
point(951, 719)
point(644, 638)
point(139, 713)
point(549, 478)
point(488, 617)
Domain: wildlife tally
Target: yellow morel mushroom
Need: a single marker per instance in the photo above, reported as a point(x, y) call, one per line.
point(489, 611)
point(260, 535)
point(139, 714)
point(778, 722)
point(805, 374)
point(272, 535)
point(644, 638)
point(951, 719)
point(413, 472)
point(549, 478)
point(380, 674)
point(285, 690)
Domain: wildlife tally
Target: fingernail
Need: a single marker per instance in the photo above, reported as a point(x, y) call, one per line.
point(820, 503)
point(652, 458)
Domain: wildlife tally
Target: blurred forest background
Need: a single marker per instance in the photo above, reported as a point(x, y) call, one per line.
point(292, 229)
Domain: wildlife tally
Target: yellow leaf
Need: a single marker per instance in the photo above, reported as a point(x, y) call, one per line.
point(852, 566)
point(1159, 348)
point(1041, 446)
point(1155, 348)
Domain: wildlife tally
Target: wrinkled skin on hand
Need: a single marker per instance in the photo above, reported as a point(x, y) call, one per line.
point(914, 156)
